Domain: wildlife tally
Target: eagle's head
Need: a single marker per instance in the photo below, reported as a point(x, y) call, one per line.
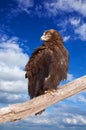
point(51, 35)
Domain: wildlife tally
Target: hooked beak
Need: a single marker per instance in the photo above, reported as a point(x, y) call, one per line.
point(42, 38)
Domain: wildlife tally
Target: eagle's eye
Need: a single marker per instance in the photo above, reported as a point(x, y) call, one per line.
point(46, 36)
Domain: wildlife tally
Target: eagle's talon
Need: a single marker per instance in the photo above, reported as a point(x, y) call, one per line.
point(51, 91)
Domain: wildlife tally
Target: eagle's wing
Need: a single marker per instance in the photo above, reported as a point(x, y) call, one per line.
point(37, 69)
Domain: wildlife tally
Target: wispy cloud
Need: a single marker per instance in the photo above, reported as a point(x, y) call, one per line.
point(24, 5)
point(75, 21)
point(54, 7)
point(81, 31)
point(66, 38)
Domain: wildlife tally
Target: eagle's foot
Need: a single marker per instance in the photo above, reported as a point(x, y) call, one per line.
point(51, 91)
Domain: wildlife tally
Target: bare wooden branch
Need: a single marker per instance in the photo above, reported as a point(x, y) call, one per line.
point(19, 111)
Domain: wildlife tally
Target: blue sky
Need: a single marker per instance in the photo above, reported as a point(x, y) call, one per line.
point(22, 23)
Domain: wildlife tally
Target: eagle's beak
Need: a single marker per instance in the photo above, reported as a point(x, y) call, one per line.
point(42, 38)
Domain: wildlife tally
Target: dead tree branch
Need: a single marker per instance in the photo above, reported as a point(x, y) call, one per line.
point(19, 111)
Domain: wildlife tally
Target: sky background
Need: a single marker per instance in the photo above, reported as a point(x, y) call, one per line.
point(22, 23)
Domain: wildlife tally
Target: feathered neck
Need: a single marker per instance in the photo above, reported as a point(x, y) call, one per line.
point(54, 43)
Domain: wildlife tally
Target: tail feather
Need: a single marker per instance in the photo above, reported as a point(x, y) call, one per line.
point(39, 113)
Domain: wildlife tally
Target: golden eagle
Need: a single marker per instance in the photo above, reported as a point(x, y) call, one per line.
point(48, 64)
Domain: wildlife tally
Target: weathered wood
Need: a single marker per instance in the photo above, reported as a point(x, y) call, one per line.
point(19, 111)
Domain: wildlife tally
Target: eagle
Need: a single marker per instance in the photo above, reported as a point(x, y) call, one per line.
point(48, 65)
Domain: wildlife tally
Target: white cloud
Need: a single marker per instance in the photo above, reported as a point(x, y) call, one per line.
point(81, 31)
point(12, 63)
point(14, 72)
point(66, 38)
point(8, 98)
point(13, 86)
point(66, 6)
point(74, 120)
point(11, 53)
